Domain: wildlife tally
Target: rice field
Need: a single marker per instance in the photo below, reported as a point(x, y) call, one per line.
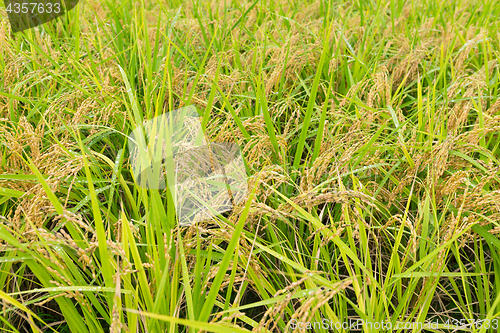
point(369, 139)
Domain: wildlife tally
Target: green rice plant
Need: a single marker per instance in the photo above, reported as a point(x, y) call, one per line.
point(369, 132)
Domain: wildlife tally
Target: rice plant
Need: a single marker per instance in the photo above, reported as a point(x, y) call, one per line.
point(368, 132)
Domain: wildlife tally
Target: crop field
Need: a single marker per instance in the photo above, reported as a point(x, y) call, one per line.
point(368, 136)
